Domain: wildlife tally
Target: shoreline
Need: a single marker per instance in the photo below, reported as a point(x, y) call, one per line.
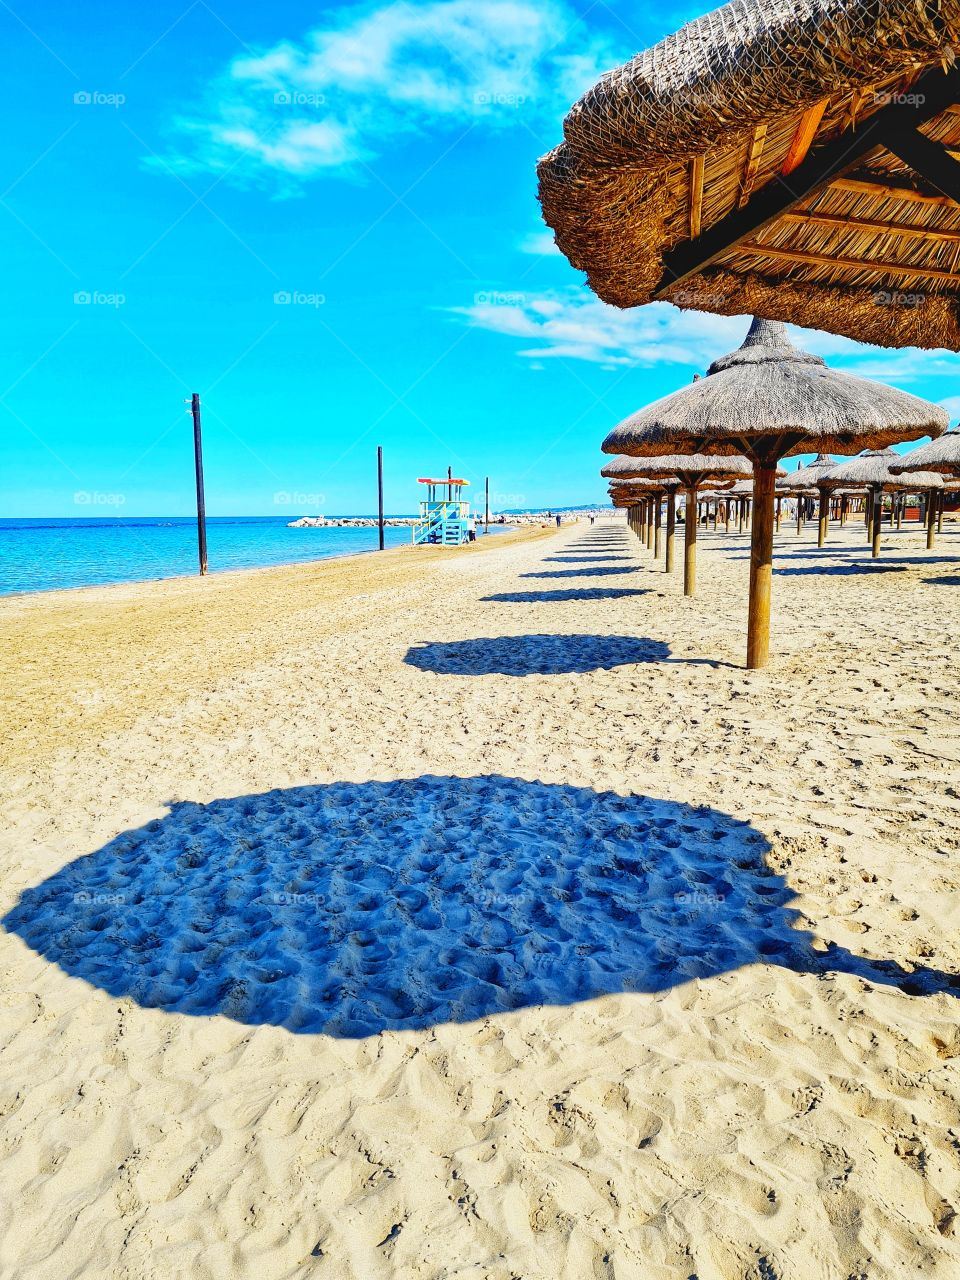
point(244, 569)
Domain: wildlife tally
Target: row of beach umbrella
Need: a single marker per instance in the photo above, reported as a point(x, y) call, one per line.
point(727, 433)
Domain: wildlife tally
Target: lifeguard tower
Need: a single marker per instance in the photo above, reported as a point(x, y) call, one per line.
point(444, 514)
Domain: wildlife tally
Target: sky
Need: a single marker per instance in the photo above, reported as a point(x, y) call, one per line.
point(323, 219)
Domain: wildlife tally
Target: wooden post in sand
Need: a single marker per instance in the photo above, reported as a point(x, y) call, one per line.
point(657, 517)
point(690, 514)
point(931, 518)
point(761, 562)
point(940, 500)
point(671, 528)
point(198, 466)
point(876, 520)
point(486, 504)
point(380, 493)
point(824, 517)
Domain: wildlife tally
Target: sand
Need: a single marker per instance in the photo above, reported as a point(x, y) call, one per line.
point(475, 914)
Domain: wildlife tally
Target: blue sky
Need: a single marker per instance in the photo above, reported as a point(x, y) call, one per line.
point(323, 219)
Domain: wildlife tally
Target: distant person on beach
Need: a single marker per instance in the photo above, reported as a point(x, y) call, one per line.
point(472, 529)
point(558, 522)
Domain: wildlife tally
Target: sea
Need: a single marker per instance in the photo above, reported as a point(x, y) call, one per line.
point(47, 555)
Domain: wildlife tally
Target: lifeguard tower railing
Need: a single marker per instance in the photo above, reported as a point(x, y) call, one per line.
point(444, 513)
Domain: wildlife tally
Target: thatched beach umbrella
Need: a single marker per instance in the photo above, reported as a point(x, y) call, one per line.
point(942, 456)
point(792, 160)
point(804, 481)
point(691, 471)
point(872, 470)
point(766, 401)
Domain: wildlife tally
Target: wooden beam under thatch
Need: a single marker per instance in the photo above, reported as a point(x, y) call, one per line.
point(872, 226)
point(753, 163)
point(894, 122)
point(834, 261)
point(803, 138)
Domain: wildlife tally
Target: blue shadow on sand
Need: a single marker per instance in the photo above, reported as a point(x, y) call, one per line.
point(353, 908)
point(564, 594)
point(600, 571)
point(529, 655)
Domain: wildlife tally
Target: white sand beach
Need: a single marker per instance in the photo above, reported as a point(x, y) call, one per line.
point(474, 913)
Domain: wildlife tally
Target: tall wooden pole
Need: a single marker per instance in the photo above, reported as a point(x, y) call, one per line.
point(652, 510)
point(779, 500)
point(198, 466)
point(656, 536)
point(486, 504)
point(380, 493)
point(941, 496)
point(761, 562)
point(449, 484)
point(690, 542)
point(671, 528)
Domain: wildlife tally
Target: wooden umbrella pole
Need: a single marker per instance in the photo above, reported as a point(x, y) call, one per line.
point(761, 563)
point(843, 510)
point(940, 500)
point(824, 516)
point(726, 515)
point(671, 528)
point(654, 503)
point(690, 543)
point(799, 516)
point(657, 518)
point(931, 519)
point(777, 518)
point(877, 519)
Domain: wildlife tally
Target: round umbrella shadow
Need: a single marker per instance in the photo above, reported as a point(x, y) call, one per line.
point(534, 654)
point(352, 908)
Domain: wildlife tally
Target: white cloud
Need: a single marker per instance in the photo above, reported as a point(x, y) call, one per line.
point(573, 324)
point(341, 94)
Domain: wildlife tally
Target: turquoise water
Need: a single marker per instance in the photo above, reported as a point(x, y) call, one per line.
point(42, 555)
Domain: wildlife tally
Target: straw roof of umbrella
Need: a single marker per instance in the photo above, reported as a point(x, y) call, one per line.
point(769, 396)
point(941, 455)
point(688, 469)
point(669, 182)
point(624, 469)
point(873, 470)
point(806, 478)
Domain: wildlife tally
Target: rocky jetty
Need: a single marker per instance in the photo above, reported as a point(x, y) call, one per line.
point(348, 522)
